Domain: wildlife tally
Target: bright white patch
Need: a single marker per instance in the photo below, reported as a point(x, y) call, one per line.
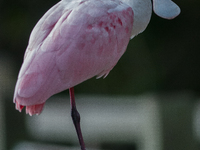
point(166, 9)
point(118, 8)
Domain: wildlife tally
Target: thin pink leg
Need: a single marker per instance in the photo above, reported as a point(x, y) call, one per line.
point(76, 118)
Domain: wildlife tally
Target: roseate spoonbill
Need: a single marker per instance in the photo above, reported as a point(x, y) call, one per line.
point(76, 40)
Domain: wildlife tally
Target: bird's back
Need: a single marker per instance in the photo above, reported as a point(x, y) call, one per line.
point(72, 42)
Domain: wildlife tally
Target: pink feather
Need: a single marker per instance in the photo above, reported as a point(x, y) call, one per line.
point(72, 42)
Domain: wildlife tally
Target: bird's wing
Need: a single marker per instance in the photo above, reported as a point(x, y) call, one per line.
point(86, 41)
point(98, 34)
point(29, 78)
point(39, 33)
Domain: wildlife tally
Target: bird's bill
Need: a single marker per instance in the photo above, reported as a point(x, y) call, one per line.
point(166, 9)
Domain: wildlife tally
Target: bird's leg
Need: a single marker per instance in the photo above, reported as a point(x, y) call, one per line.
point(76, 118)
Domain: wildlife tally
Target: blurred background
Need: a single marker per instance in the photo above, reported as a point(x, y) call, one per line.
point(149, 101)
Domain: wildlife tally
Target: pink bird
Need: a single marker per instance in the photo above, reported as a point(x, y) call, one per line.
point(77, 40)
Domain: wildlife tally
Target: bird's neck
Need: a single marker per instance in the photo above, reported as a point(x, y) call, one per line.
point(142, 10)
